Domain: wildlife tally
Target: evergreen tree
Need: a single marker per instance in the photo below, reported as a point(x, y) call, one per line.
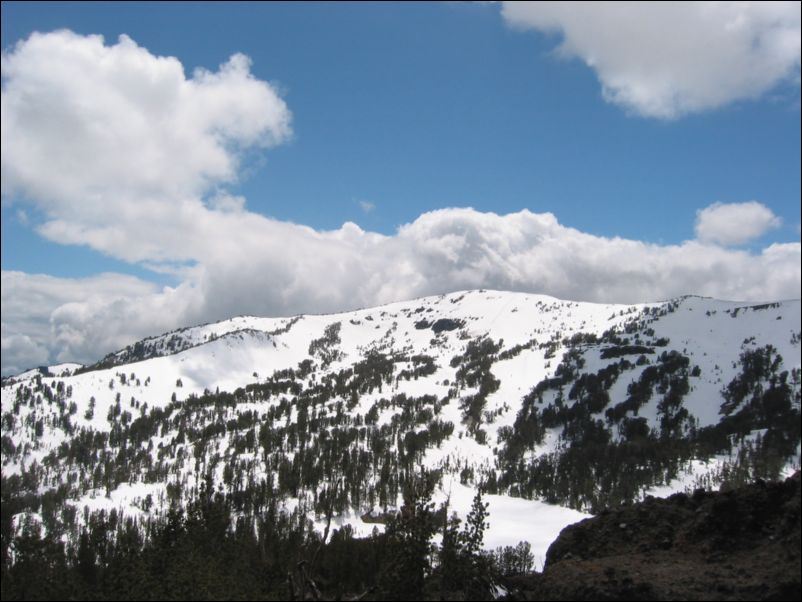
point(477, 566)
point(409, 546)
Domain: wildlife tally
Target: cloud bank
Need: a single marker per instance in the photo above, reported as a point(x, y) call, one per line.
point(669, 59)
point(42, 316)
point(120, 151)
point(254, 265)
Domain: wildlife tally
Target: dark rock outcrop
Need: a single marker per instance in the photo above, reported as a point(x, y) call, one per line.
point(741, 544)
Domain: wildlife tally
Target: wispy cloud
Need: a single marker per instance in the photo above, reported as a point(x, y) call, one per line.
point(366, 206)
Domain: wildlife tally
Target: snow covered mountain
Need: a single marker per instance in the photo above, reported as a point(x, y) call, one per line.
point(554, 408)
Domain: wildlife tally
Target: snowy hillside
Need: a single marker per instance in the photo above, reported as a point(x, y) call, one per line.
point(534, 399)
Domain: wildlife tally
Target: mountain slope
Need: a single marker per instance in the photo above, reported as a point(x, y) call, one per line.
point(577, 404)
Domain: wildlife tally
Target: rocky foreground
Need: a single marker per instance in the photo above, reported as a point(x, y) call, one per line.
point(741, 544)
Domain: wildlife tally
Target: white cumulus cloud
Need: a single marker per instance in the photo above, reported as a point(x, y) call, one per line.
point(734, 223)
point(117, 146)
point(121, 152)
point(669, 59)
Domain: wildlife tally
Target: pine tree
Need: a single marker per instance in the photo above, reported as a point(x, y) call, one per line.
point(476, 565)
point(409, 546)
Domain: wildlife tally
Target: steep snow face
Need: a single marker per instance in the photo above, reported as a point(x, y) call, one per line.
point(478, 386)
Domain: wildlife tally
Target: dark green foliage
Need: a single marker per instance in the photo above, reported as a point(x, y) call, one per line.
point(446, 324)
point(204, 553)
point(592, 468)
point(325, 347)
point(422, 365)
point(621, 350)
point(462, 564)
point(514, 560)
point(409, 548)
point(476, 567)
point(440, 325)
point(760, 397)
point(757, 366)
point(473, 370)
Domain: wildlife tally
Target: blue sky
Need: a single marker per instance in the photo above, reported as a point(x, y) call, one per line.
point(397, 110)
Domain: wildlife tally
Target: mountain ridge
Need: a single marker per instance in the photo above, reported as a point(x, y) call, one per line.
point(129, 354)
point(507, 393)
